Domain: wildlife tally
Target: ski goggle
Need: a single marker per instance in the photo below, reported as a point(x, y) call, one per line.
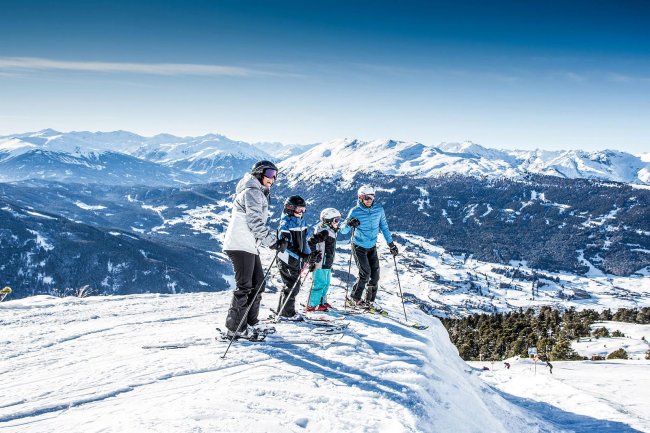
point(270, 173)
point(296, 209)
point(335, 220)
point(367, 197)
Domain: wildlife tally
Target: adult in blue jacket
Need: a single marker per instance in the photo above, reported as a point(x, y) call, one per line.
point(367, 218)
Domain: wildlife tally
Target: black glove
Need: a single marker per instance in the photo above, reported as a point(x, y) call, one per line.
point(280, 245)
point(315, 257)
point(353, 222)
point(393, 248)
point(319, 237)
point(303, 256)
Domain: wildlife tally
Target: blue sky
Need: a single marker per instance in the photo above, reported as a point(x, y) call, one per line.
point(506, 74)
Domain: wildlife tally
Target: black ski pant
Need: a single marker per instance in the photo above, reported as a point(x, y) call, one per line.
point(290, 274)
point(368, 263)
point(249, 276)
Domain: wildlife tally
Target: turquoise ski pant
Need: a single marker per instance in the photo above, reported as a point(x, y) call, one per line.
point(321, 285)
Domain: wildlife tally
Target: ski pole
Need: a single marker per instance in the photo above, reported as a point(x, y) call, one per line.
point(250, 305)
point(284, 304)
point(347, 282)
point(400, 287)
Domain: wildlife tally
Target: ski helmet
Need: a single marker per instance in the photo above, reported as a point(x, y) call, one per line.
point(264, 169)
point(293, 204)
point(365, 190)
point(329, 215)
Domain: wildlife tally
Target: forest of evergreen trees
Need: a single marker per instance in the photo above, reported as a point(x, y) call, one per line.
point(504, 335)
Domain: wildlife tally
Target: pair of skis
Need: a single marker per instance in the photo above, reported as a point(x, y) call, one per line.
point(223, 338)
point(261, 337)
point(381, 312)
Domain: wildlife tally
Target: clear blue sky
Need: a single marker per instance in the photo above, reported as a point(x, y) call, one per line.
point(506, 74)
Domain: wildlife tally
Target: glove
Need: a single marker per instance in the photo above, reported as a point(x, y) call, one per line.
point(317, 238)
point(353, 222)
point(280, 245)
point(320, 237)
point(303, 256)
point(315, 256)
point(393, 248)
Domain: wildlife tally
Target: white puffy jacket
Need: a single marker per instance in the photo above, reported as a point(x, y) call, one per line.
point(250, 211)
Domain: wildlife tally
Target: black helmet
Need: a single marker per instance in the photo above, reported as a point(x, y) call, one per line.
point(292, 203)
point(260, 167)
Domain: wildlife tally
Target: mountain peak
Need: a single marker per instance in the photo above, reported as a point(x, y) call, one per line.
point(46, 132)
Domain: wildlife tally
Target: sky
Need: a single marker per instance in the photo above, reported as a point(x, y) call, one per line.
point(504, 74)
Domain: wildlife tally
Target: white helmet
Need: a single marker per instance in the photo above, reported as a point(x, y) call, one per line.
point(327, 215)
point(365, 190)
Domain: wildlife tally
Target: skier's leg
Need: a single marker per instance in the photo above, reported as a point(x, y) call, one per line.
point(292, 291)
point(243, 264)
point(285, 277)
point(361, 259)
point(319, 287)
point(373, 259)
point(289, 278)
point(258, 278)
point(326, 285)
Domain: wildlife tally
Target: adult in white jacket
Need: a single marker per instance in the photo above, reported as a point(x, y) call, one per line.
point(247, 229)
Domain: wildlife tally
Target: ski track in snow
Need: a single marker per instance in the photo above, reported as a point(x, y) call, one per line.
point(77, 365)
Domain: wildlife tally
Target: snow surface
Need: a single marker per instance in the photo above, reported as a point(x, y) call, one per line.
point(77, 365)
point(598, 396)
point(634, 342)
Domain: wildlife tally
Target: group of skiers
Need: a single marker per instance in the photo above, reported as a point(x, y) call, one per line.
point(299, 248)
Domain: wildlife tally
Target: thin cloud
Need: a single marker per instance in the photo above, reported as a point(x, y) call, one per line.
point(570, 76)
point(625, 78)
point(170, 69)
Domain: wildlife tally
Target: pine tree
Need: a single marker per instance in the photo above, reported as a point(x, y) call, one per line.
point(562, 349)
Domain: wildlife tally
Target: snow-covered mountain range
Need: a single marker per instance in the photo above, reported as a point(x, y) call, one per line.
point(342, 159)
point(125, 158)
point(577, 226)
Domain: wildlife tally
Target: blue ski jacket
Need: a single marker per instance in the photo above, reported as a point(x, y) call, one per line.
point(298, 232)
point(372, 220)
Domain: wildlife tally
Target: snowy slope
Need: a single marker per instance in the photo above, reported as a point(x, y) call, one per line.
point(199, 155)
point(77, 365)
point(342, 159)
point(282, 151)
point(456, 285)
point(601, 396)
point(634, 342)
